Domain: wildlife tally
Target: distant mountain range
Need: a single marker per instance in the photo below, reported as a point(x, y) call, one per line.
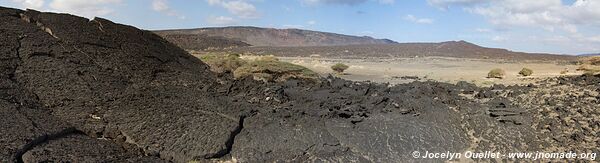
point(591, 54)
point(297, 42)
point(256, 36)
point(202, 42)
point(455, 49)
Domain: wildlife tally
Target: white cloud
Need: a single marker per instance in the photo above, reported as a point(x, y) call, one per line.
point(160, 5)
point(293, 26)
point(86, 8)
point(220, 20)
point(583, 11)
point(31, 4)
point(444, 4)
point(568, 25)
point(345, 2)
point(387, 1)
point(508, 13)
point(239, 8)
point(483, 30)
point(499, 38)
point(163, 7)
point(312, 22)
point(213, 2)
point(342, 2)
point(414, 19)
point(550, 15)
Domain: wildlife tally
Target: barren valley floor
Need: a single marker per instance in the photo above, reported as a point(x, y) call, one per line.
point(444, 69)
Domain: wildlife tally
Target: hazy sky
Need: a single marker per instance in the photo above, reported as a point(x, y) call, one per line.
point(555, 26)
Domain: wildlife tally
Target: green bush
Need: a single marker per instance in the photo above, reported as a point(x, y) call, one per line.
point(526, 72)
point(263, 68)
point(496, 73)
point(222, 63)
point(339, 67)
point(267, 58)
point(594, 60)
point(272, 70)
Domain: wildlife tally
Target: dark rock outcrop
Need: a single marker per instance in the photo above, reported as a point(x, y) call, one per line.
point(81, 148)
point(65, 73)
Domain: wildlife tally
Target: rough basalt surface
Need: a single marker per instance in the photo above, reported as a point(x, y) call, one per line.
point(79, 90)
point(65, 73)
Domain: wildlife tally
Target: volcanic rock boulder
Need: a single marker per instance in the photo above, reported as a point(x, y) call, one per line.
point(61, 72)
point(24, 122)
point(343, 121)
point(76, 148)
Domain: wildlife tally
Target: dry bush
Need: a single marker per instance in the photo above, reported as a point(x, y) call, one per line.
point(594, 60)
point(252, 57)
point(267, 58)
point(526, 72)
point(222, 63)
point(496, 73)
point(339, 67)
point(264, 68)
point(274, 70)
point(592, 72)
point(589, 69)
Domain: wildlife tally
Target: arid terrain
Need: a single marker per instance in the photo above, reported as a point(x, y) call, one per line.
point(455, 49)
point(80, 90)
point(443, 69)
point(450, 61)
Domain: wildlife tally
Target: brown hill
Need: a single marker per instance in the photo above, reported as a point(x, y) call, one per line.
point(458, 49)
point(279, 37)
point(202, 42)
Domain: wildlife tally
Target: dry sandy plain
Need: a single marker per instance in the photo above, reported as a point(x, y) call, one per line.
point(445, 69)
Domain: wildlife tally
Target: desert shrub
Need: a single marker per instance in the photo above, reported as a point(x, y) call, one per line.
point(589, 69)
point(594, 60)
point(591, 72)
point(222, 63)
point(564, 72)
point(236, 55)
point(583, 67)
point(488, 83)
point(526, 72)
point(272, 70)
point(265, 77)
point(496, 73)
point(267, 58)
point(339, 67)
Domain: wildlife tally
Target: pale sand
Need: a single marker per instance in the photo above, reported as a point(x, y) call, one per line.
point(435, 68)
